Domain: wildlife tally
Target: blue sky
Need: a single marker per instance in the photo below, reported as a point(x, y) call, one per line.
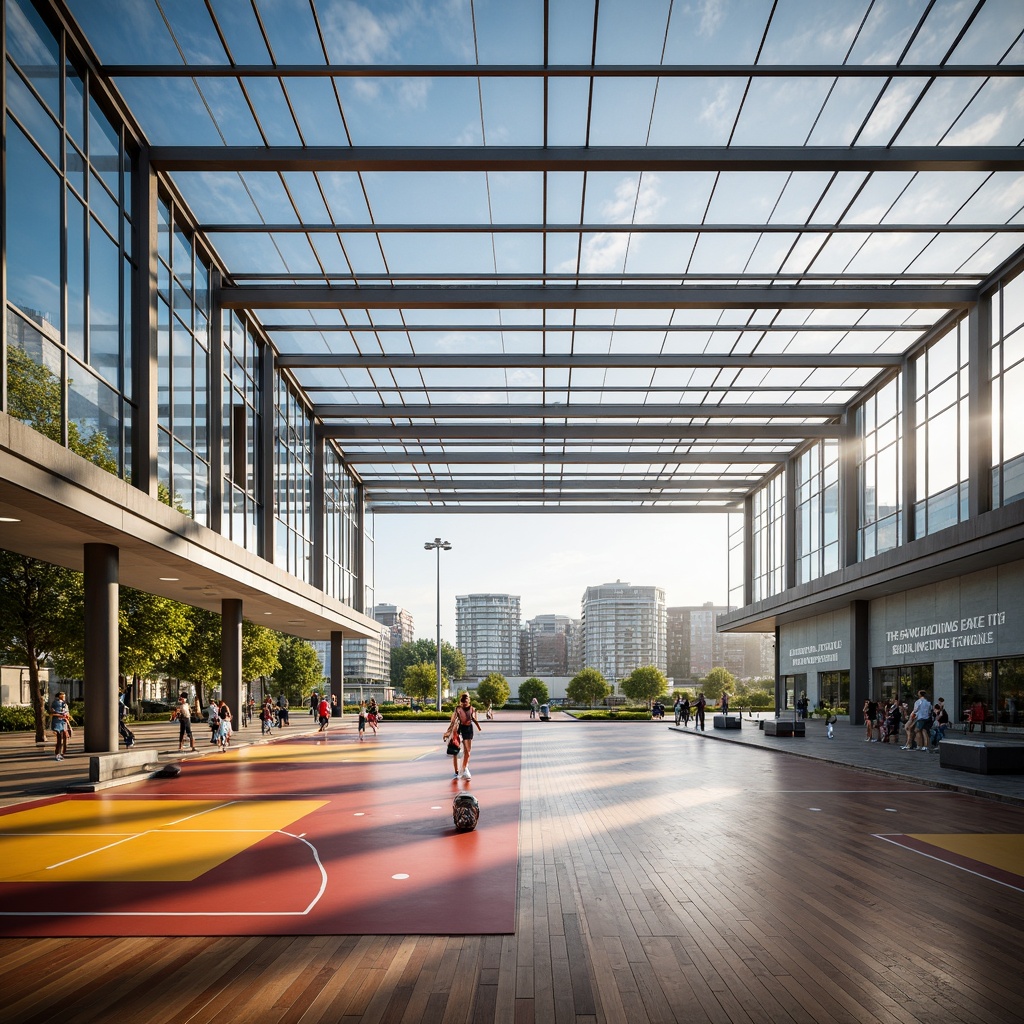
point(548, 560)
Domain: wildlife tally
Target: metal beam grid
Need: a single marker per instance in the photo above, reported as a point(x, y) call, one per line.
point(596, 314)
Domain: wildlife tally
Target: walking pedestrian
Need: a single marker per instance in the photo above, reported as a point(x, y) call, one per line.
point(184, 717)
point(224, 729)
point(534, 705)
point(699, 709)
point(122, 721)
point(282, 709)
point(363, 718)
point(684, 712)
point(463, 720)
point(60, 716)
point(323, 713)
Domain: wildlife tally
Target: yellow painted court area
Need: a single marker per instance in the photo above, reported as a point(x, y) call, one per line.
point(136, 840)
point(1005, 852)
point(335, 751)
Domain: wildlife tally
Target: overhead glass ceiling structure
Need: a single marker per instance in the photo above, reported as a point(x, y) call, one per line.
point(584, 254)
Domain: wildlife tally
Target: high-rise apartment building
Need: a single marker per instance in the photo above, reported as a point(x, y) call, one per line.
point(624, 628)
point(695, 646)
point(548, 645)
point(487, 632)
point(398, 620)
point(368, 661)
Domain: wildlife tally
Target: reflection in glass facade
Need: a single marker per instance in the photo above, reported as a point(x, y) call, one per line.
point(183, 368)
point(817, 511)
point(769, 539)
point(70, 274)
point(941, 420)
point(880, 470)
point(68, 249)
point(241, 425)
point(737, 552)
point(1007, 388)
point(998, 685)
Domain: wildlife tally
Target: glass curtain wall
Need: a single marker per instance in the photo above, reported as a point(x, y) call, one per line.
point(737, 594)
point(240, 429)
point(67, 242)
point(293, 467)
point(817, 511)
point(941, 422)
point(183, 367)
point(769, 539)
point(880, 470)
point(1008, 381)
point(340, 528)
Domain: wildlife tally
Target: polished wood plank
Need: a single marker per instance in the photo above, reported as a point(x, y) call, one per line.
point(662, 878)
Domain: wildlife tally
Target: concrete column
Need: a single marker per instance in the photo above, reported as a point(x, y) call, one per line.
point(101, 651)
point(789, 557)
point(231, 656)
point(979, 454)
point(860, 675)
point(849, 491)
point(337, 668)
point(908, 497)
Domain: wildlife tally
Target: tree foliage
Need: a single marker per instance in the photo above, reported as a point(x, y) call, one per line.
point(533, 687)
point(716, 682)
point(453, 661)
point(199, 660)
point(587, 687)
point(420, 681)
point(259, 651)
point(35, 623)
point(644, 684)
point(299, 672)
point(494, 689)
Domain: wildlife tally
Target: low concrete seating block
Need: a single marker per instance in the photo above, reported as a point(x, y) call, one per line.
point(780, 727)
point(118, 763)
point(727, 722)
point(982, 757)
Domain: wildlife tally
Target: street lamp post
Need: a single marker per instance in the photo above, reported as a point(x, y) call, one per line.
point(439, 545)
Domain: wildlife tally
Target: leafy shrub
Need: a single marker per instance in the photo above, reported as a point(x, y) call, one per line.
point(15, 719)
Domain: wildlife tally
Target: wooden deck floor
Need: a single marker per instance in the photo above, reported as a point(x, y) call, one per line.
point(662, 878)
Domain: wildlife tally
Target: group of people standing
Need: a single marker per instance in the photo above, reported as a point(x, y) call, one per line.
point(682, 710)
point(923, 726)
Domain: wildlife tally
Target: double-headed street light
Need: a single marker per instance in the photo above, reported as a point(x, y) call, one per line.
point(440, 545)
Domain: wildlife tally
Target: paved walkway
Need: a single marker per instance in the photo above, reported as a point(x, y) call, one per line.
point(29, 771)
point(849, 748)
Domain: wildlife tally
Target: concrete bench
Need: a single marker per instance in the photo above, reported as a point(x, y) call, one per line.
point(118, 763)
point(781, 727)
point(982, 757)
point(727, 722)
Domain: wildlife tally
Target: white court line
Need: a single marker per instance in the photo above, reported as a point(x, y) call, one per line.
point(129, 838)
point(942, 860)
point(196, 913)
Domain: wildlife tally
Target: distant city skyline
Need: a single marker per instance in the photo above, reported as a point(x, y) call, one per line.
point(547, 561)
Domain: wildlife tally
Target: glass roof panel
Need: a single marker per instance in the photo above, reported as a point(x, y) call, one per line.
point(748, 216)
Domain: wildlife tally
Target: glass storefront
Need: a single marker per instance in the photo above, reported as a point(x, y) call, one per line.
point(999, 687)
point(903, 681)
point(834, 691)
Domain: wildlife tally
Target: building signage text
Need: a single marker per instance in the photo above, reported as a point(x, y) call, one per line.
point(948, 635)
point(816, 654)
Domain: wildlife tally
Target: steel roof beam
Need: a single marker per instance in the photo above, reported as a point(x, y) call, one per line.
point(587, 158)
point(610, 229)
point(540, 296)
point(557, 482)
point(563, 70)
point(519, 510)
point(503, 458)
point(373, 497)
point(589, 410)
point(583, 360)
point(578, 432)
point(619, 327)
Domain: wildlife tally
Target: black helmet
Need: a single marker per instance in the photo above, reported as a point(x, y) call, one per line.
point(465, 812)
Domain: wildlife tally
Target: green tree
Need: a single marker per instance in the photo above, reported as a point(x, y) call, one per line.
point(533, 687)
point(299, 672)
point(151, 630)
point(34, 617)
point(420, 681)
point(587, 687)
point(644, 684)
point(199, 661)
point(260, 648)
point(453, 661)
point(494, 689)
point(717, 682)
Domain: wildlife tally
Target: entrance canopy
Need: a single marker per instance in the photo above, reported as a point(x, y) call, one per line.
point(583, 255)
